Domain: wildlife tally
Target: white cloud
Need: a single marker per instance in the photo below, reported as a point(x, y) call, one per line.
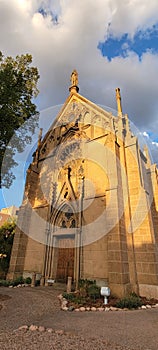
point(155, 143)
point(146, 134)
point(72, 43)
point(127, 16)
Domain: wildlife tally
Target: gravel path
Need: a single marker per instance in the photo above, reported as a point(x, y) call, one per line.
point(115, 330)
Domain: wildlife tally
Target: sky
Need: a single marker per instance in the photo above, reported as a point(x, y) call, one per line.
point(111, 43)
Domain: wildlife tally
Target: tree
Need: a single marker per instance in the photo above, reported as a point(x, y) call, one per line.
point(6, 241)
point(18, 86)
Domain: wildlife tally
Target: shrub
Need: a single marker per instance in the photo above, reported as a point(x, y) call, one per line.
point(130, 302)
point(28, 280)
point(85, 282)
point(87, 290)
point(80, 300)
point(4, 283)
point(94, 291)
point(69, 296)
point(18, 280)
point(77, 299)
point(7, 231)
point(84, 285)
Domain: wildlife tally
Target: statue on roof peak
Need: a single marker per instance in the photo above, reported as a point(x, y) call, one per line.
point(74, 78)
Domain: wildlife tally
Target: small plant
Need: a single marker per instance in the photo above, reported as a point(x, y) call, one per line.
point(73, 298)
point(80, 301)
point(17, 281)
point(28, 280)
point(94, 292)
point(130, 302)
point(7, 231)
point(85, 282)
point(4, 283)
point(84, 285)
point(69, 296)
point(88, 292)
point(14, 283)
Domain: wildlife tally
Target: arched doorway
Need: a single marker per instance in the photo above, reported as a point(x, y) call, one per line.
point(64, 246)
point(65, 259)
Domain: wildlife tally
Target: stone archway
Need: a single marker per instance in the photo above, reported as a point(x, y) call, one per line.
point(64, 252)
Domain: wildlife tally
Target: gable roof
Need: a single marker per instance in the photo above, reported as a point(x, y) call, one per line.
point(76, 97)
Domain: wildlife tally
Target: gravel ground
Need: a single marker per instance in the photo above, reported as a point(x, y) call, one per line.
point(115, 330)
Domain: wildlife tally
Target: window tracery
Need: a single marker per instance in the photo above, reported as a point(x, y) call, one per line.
point(66, 219)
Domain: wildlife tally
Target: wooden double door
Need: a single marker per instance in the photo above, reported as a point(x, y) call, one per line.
point(65, 253)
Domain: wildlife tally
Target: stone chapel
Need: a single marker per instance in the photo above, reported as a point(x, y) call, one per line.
point(90, 206)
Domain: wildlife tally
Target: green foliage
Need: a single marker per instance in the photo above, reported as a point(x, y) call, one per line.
point(18, 85)
point(84, 285)
point(130, 302)
point(4, 283)
point(6, 241)
point(76, 298)
point(80, 300)
point(94, 292)
point(69, 296)
point(88, 291)
point(28, 280)
point(15, 282)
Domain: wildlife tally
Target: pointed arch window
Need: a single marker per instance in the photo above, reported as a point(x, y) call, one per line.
point(66, 218)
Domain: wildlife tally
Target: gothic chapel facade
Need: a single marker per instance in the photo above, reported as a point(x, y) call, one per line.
point(90, 207)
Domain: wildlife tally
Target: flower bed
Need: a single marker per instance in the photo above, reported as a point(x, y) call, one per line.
point(88, 298)
point(67, 305)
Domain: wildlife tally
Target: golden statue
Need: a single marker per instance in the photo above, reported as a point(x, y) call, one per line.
point(74, 78)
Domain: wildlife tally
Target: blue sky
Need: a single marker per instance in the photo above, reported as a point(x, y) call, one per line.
point(111, 44)
point(142, 42)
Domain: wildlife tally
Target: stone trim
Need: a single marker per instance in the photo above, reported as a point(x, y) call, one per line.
point(64, 307)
